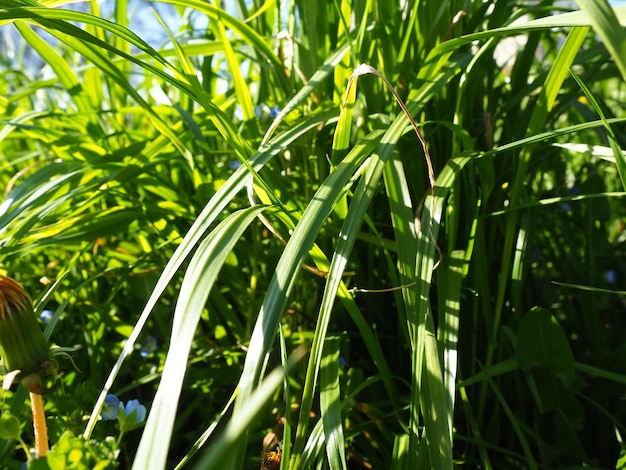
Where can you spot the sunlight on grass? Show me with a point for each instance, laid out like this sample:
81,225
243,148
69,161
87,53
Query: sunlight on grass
290,260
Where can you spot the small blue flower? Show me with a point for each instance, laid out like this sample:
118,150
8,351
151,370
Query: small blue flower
566,206
134,405
148,346
258,110
274,110
610,276
234,164
46,316
111,408
342,362
133,415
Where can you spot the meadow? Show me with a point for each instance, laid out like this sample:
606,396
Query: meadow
296,234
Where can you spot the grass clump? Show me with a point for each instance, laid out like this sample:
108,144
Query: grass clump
239,225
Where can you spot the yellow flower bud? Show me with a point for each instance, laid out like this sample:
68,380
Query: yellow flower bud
22,344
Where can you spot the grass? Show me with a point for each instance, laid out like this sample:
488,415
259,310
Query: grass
248,198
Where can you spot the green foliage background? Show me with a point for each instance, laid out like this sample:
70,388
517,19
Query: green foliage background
240,195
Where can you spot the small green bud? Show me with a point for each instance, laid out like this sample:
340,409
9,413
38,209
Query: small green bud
22,344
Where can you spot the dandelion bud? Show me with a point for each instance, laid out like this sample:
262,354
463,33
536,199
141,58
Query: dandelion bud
22,344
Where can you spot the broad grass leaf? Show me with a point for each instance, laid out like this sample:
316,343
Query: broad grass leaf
330,407
202,273
541,342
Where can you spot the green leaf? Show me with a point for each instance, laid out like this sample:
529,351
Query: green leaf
606,23
621,461
197,284
330,408
541,342
9,426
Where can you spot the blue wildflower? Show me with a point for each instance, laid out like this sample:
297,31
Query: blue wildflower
46,316
234,164
133,406
610,276
274,110
148,346
111,408
566,206
132,416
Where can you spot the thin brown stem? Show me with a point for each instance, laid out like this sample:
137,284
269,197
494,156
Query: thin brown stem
39,424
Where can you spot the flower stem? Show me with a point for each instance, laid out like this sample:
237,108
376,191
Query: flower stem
39,424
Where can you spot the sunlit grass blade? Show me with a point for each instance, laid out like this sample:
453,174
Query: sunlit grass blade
330,397
248,34
450,275
287,269
425,354
318,77
607,25
618,153
234,66
61,68
199,278
230,440
205,219
399,458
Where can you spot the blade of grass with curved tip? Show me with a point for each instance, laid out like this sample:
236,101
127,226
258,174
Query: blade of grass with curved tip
91,47
606,24
205,219
564,20
200,276
288,267
325,70
350,229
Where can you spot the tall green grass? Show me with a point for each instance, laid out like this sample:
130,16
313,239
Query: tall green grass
250,198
